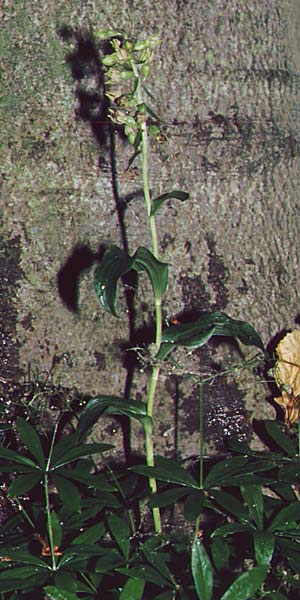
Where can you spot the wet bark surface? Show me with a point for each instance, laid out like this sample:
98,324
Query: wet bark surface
226,82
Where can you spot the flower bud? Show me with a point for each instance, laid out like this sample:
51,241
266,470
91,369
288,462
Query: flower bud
154,130
127,75
140,45
103,34
146,70
109,60
131,138
128,45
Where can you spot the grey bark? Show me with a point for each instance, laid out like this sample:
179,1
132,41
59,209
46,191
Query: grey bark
226,81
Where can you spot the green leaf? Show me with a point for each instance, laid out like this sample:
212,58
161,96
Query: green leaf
111,559
68,492
79,452
196,334
145,573
64,445
31,439
116,263
231,529
18,458
96,481
220,553
156,559
286,515
202,571
167,596
19,556
224,470
144,260
157,202
193,505
167,470
55,593
276,432
264,544
230,504
133,589
24,483
290,473
253,497
245,586
112,405
56,528
91,535
121,533
66,580
239,470
167,498
19,572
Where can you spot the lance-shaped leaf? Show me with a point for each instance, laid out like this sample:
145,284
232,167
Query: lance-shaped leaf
18,458
121,533
253,497
167,470
196,334
285,516
202,571
112,405
116,263
157,202
245,586
56,593
264,544
31,440
79,452
24,483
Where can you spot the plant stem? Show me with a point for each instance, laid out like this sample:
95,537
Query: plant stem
201,440
158,308
48,510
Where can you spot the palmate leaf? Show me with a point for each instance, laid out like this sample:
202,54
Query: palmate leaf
116,263
196,334
160,200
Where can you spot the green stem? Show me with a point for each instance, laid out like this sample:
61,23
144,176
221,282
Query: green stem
47,498
201,440
158,308
298,436
25,514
